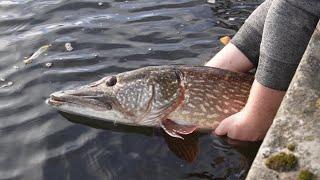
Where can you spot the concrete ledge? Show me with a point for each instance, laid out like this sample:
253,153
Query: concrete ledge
297,123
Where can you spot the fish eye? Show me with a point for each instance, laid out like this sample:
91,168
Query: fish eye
111,81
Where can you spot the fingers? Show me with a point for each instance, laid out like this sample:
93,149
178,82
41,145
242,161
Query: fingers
224,126
238,127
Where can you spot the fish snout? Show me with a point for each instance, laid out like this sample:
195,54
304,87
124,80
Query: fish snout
82,97
57,98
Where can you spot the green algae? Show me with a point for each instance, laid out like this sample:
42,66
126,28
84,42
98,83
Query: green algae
309,138
306,175
318,103
281,162
291,146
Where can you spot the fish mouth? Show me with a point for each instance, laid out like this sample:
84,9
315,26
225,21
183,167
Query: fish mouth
57,99
89,99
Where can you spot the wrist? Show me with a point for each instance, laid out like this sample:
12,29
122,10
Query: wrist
262,104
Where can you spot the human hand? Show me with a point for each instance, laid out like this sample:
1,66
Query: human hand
242,127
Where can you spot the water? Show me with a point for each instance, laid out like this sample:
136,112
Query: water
107,37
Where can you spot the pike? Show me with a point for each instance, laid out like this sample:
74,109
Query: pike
179,99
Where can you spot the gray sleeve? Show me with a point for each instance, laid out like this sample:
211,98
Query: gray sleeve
248,38
287,30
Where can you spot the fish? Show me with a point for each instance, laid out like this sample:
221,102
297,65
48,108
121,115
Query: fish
180,99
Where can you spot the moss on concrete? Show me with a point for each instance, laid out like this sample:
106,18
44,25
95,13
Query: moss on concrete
306,175
309,138
291,146
318,103
281,162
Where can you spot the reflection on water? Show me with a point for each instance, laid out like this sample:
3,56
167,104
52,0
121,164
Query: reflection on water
107,37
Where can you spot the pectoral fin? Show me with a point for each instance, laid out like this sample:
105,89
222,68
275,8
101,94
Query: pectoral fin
175,130
186,149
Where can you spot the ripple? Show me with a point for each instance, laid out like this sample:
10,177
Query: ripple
79,5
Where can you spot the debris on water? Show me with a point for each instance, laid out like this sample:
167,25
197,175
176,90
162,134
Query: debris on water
68,47
16,67
225,40
134,155
35,55
49,64
150,49
211,1
8,84
100,3
232,19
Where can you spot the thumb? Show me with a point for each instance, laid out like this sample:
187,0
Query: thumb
224,126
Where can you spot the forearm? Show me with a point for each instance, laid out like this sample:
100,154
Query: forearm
231,58
262,104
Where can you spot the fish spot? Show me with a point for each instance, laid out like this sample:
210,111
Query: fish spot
198,113
203,108
212,116
185,112
198,98
239,102
239,95
191,105
215,91
244,91
225,97
211,96
218,108
234,110
222,86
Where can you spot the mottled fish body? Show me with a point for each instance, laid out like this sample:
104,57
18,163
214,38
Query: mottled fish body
180,99
210,95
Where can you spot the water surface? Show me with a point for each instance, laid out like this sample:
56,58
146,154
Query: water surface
108,37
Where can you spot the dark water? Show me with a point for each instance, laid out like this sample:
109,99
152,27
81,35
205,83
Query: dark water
36,142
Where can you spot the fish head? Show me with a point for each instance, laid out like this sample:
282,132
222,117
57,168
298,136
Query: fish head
134,98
